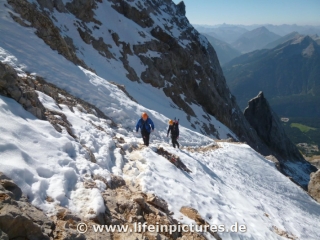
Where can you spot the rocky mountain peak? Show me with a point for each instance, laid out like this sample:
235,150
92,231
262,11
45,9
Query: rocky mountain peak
302,40
254,39
304,45
261,117
181,8
268,126
258,31
261,29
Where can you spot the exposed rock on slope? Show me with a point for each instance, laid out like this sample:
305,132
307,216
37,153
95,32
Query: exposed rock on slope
194,215
124,206
269,128
12,86
314,186
282,40
23,90
18,218
176,57
45,27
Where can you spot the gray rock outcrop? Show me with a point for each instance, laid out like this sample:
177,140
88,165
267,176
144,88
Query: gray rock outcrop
46,29
11,85
181,8
18,218
269,128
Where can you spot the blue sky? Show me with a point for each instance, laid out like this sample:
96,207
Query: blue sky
211,12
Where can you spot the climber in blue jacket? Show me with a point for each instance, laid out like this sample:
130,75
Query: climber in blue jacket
146,125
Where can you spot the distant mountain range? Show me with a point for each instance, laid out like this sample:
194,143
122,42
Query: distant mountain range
254,39
281,30
282,40
227,34
288,75
224,50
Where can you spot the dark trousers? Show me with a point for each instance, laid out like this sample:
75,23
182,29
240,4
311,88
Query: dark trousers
146,138
175,141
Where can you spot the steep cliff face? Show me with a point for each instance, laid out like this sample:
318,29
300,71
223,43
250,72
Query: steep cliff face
268,126
144,42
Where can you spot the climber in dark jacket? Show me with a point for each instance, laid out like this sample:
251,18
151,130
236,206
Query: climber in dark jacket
174,129
146,125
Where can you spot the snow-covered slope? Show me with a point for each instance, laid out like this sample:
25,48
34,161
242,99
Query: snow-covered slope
230,184
24,44
227,185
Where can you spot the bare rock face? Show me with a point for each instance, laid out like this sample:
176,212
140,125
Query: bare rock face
314,186
268,126
83,9
18,218
181,8
13,190
46,29
12,86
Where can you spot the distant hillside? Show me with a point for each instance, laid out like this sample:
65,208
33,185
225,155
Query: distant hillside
226,33
224,50
282,40
316,38
288,75
286,29
255,39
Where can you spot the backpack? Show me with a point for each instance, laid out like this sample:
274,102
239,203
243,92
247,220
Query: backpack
175,128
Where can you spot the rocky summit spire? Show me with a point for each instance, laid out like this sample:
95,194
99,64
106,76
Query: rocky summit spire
181,8
266,123
268,127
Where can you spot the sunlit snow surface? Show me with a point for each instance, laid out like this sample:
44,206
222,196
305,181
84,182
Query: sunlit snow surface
230,184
